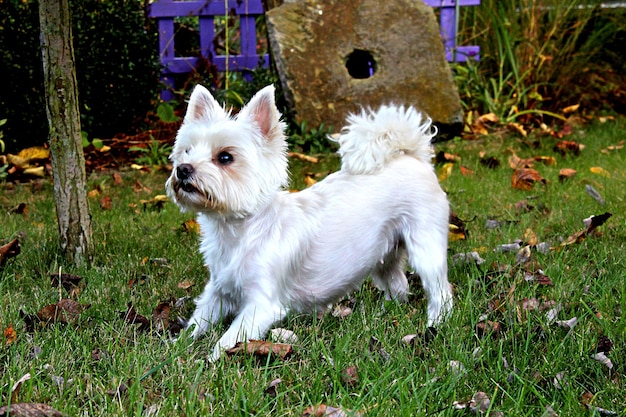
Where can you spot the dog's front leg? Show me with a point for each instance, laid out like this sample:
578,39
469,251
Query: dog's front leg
252,322
210,307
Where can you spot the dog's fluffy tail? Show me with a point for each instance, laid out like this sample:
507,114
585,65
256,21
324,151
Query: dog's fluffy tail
374,138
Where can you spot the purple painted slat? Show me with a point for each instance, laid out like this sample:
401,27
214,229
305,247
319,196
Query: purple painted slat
248,35
181,65
207,33
451,3
160,9
166,38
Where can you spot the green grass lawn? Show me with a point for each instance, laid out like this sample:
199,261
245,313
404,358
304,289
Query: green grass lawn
521,359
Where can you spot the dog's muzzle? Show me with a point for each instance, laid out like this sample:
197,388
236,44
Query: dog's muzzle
184,173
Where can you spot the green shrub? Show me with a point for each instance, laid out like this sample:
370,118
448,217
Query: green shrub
534,53
117,68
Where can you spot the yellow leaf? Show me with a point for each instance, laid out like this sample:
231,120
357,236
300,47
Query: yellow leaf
36,152
445,171
571,109
600,171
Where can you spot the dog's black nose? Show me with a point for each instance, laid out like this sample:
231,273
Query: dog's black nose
184,171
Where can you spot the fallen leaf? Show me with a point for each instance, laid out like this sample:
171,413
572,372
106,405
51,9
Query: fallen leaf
570,109
344,308
161,317
21,209
518,127
29,410
490,162
9,335
523,256
604,344
525,178
465,171
443,157
68,281
445,171
281,335
530,238
261,348
600,171
106,203
309,180
131,316
538,277
546,160
489,328
117,179
515,162
567,146
15,390
303,157
591,224
324,410
191,226
567,324
271,389
456,228
350,376
376,346
467,257
185,284
155,202
566,174
9,250
65,311
603,359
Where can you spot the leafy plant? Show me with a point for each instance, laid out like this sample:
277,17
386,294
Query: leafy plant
312,141
97,143
530,53
155,154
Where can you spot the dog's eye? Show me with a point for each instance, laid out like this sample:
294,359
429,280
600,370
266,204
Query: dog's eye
225,158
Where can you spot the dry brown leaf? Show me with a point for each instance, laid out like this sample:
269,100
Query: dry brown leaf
10,250
303,157
350,376
262,348
530,238
117,179
489,328
10,336
566,173
568,147
309,180
131,316
519,128
546,160
161,317
324,410
65,311
106,203
515,162
29,410
525,179
191,226
489,161
571,109
185,284
271,390
465,171
591,224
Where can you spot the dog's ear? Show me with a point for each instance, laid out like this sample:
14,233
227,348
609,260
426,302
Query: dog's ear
262,110
202,106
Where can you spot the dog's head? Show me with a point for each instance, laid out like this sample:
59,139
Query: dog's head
224,164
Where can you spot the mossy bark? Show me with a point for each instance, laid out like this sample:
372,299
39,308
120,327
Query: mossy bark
66,150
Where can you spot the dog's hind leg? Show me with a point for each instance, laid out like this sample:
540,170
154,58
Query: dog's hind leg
388,275
428,258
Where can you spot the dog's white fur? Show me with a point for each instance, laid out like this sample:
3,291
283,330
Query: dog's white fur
271,252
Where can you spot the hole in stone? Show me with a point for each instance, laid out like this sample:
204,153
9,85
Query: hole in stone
360,64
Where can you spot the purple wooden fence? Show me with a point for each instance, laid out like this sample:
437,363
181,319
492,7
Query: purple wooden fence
447,28
165,11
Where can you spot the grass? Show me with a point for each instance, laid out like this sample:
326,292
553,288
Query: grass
110,367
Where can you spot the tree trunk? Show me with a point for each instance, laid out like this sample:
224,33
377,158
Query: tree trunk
66,150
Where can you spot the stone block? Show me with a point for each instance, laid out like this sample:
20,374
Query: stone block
336,56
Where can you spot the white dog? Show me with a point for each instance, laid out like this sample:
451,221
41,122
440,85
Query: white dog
270,251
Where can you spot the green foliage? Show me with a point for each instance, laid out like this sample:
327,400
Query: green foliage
155,154
117,67
97,143
310,140
166,114
532,52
